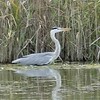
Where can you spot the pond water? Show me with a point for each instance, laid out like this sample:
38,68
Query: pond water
53,82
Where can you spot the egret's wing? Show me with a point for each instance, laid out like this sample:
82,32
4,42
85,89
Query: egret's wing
39,58
25,56
35,59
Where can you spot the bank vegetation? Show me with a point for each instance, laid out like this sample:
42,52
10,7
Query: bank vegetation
25,27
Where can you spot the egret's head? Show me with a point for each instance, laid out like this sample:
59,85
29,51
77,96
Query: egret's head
59,29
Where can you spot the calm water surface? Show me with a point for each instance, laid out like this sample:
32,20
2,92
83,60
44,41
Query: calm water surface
59,82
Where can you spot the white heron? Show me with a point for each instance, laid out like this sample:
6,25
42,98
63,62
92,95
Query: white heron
45,57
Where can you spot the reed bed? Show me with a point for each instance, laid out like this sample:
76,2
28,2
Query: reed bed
25,26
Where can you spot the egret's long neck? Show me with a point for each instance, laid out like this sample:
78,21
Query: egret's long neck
57,44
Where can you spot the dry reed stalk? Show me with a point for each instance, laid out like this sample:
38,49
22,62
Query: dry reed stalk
20,31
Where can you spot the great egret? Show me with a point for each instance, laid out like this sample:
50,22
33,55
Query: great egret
45,57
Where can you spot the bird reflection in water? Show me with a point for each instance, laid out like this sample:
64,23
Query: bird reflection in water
48,73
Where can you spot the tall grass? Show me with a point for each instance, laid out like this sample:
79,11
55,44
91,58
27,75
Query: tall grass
25,26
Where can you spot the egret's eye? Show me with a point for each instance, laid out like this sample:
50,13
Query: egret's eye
54,28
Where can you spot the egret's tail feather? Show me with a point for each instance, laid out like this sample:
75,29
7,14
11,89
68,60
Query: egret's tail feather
16,61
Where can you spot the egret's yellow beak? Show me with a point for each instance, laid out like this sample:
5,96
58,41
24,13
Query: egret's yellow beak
66,29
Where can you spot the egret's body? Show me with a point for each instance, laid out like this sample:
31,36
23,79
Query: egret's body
46,57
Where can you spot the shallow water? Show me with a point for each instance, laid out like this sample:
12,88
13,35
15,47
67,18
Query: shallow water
58,82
